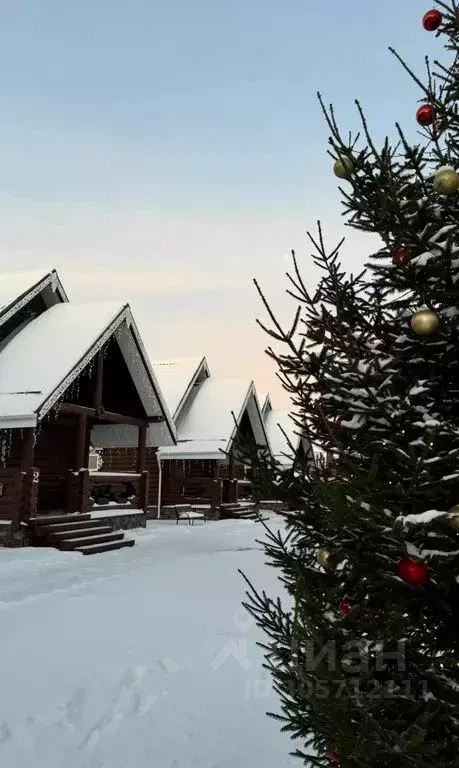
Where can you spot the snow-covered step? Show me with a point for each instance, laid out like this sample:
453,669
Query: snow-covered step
53,519
89,540
238,510
76,532
93,549
74,525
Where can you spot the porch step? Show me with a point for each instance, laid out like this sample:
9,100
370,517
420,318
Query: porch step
77,533
245,515
238,511
68,527
80,542
53,519
74,533
93,549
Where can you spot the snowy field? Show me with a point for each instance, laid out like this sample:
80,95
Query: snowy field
141,658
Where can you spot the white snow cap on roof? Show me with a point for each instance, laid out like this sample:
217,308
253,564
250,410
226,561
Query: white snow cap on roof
206,424
177,377
43,359
15,285
275,422
265,402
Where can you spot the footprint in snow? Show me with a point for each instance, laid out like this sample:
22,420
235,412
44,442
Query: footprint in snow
74,709
127,702
169,665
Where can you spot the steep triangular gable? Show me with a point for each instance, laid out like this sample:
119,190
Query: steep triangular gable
208,425
44,358
178,379
24,296
281,429
265,403
17,289
251,407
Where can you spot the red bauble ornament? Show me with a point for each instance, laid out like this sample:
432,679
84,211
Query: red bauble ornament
338,420
412,572
333,756
345,608
425,114
400,257
432,20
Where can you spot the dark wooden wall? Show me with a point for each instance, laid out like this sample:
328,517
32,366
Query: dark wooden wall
174,472
55,454
125,460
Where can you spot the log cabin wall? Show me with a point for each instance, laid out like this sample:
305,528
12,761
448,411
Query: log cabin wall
125,460
55,454
9,475
173,476
238,471
174,471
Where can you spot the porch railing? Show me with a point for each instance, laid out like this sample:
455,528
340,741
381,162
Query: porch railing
86,489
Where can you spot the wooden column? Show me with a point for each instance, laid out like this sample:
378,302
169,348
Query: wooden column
83,491
82,437
216,497
144,487
97,395
141,449
231,466
28,449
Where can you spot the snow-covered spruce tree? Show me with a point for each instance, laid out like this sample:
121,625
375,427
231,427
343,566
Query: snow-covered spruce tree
364,648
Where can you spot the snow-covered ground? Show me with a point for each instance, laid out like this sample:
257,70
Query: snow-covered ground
137,658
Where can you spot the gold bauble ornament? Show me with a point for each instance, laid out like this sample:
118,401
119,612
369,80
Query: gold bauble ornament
446,182
343,167
454,520
325,558
425,322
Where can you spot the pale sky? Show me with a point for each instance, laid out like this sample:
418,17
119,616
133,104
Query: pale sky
167,153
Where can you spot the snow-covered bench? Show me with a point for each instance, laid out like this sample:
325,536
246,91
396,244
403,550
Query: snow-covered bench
185,512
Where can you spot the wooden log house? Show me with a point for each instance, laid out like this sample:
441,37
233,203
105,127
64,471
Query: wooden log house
64,370
212,433
204,467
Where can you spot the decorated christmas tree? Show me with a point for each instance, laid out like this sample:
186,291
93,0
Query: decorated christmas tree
363,647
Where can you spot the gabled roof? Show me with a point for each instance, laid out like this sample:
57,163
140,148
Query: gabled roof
42,360
18,288
265,403
177,379
206,425
277,423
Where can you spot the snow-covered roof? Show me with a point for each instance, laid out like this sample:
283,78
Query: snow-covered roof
18,288
177,379
265,403
275,422
42,360
206,425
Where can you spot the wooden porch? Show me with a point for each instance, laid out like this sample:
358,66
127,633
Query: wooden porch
46,470
195,481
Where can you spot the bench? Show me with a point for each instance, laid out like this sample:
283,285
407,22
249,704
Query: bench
185,512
